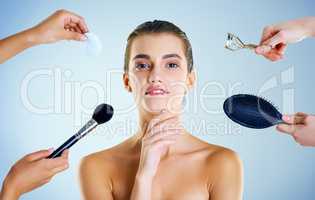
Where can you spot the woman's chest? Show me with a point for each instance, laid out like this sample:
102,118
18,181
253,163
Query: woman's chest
173,180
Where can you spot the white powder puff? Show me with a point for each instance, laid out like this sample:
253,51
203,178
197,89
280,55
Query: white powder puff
93,44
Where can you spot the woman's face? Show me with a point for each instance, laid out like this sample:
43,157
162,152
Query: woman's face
158,76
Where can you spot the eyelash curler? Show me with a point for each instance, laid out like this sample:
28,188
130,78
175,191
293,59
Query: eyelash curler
234,43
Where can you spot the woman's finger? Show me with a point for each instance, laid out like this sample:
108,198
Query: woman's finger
55,162
289,129
166,124
60,169
268,32
273,56
163,142
172,133
39,155
79,21
75,26
72,35
298,118
163,117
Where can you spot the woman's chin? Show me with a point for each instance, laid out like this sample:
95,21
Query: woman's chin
156,106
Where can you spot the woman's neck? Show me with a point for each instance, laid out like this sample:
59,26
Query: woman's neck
145,119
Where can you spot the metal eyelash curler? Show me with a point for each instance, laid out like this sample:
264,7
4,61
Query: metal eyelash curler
234,43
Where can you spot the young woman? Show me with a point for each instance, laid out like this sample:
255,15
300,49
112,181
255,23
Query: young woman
161,160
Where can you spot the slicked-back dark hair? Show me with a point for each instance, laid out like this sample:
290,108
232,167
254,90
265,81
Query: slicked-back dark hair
158,26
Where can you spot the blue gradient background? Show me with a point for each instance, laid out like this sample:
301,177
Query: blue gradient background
275,166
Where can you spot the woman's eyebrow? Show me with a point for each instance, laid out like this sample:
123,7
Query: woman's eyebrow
145,56
171,56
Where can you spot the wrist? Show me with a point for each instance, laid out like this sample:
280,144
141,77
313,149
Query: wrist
8,191
310,26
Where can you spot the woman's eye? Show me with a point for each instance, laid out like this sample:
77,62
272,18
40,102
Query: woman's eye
172,65
142,66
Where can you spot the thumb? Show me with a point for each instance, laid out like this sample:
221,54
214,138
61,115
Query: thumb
39,154
71,35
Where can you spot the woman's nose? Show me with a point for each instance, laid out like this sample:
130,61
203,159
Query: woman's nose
155,76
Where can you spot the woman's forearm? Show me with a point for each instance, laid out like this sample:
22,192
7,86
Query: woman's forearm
311,25
142,188
14,44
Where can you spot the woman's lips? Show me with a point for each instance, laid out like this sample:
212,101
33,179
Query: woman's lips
156,92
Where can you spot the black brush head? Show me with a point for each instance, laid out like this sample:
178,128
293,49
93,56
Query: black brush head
251,111
103,113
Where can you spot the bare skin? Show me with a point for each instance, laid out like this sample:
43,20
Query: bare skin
61,25
196,171
275,38
31,172
162,160
34,170
274,41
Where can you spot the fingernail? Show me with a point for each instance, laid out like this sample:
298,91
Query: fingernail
83,38
286,118
51,149
258,50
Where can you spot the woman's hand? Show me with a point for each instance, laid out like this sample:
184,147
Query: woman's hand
62,25
276,37
301,127
32,171
161,132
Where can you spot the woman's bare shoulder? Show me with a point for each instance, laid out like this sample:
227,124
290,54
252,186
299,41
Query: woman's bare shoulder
218,154
105,159
223,159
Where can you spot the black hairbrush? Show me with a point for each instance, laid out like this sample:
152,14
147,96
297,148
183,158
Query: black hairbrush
252,111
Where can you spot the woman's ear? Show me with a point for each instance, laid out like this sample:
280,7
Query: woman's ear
191,79
126,82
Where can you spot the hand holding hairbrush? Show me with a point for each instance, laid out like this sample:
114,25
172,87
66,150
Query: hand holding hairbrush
252,111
